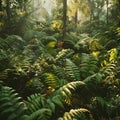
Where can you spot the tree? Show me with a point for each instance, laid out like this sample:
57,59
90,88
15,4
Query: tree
107,3
64,19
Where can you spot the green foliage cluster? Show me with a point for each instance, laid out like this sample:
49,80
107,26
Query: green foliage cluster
78,79
84,80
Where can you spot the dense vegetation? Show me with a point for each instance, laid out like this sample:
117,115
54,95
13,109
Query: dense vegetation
60,68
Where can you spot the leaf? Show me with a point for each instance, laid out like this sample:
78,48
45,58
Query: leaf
72,70
51,105
57,100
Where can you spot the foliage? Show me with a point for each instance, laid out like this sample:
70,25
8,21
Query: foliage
11,106
82,114
77,77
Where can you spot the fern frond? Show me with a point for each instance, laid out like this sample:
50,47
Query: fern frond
100,106
67,89
88,65
11,106
35,102
38,107
29,34
59,71
14,41
77,114
108,68
41,114
72,70
64,53
64,93
3,44
3,74
51,80
95,78
47,39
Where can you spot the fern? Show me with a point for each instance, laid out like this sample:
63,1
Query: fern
100,107
14,42
50,80
35,102
29,34
11,106
108,68
77,114
47,39
3,75
41,114
71,39
3,44
88,65
59,71
72,70
4,60
64,93
72,86
64,53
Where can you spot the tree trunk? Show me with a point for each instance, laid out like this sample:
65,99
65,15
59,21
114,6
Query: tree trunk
8,9
76,14
64,18
76,18
0,5
119,12
107,2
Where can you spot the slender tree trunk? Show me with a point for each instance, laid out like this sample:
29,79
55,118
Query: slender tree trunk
76,18
76,14
0,5
119,12
64,18
8,9
107,2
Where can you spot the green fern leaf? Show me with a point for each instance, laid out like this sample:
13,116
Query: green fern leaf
11,108
63,54
51,105
51,80
41,114
35,102
57,100
72,70
88,65
77,114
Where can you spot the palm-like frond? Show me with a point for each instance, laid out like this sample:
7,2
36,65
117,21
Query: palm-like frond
88,65
14,42
11,106
35,102
100,107
61,74
77,114
3,74
72,70
64,93
4,60
108,68
59,71
50,80
63,54
41,114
